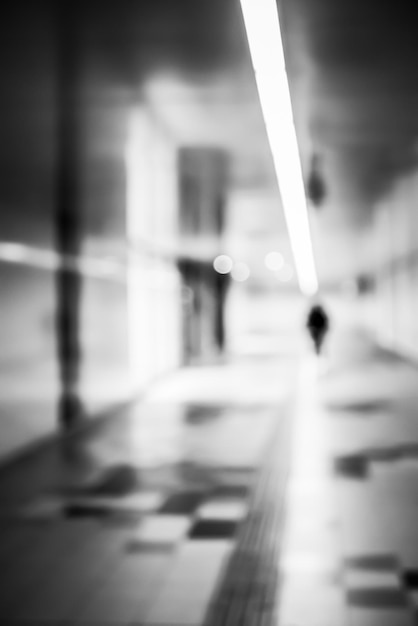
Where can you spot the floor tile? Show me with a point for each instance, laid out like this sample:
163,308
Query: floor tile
413,597
213,529
161,529
127,593
150,547
50,573
380,617
88,509
310,603
143,502
186,593
135,504
361,578
351,466
410,579
183,503
43,508
223,509
305,563
376,597
232,491
375,562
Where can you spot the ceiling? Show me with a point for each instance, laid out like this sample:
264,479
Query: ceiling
352,67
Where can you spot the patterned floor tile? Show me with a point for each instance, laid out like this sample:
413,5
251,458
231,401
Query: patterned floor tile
149,547
189,586
359,579
117,480
161,529
322,603
196,414
376,597
375,562
54,570
380,617
351,466
213,529
303,564
144,502
182,503
413,597
114,508
43,508
232,491
88,509
410,579
125,594
223,509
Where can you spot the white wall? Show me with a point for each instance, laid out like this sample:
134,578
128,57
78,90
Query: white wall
396,262
124,345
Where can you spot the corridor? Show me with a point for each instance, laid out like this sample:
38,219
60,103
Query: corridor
272,489
208,329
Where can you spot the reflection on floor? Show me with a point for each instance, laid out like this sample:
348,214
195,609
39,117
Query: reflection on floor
350,540
136,523
278,491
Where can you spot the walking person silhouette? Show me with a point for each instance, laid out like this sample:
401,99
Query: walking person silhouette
318,325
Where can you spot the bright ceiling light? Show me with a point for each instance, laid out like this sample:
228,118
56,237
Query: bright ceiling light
264,39
240,272
223,264
273,261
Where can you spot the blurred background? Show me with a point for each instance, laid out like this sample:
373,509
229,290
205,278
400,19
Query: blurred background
141,224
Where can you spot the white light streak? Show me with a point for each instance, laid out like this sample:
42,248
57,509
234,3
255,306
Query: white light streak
266,48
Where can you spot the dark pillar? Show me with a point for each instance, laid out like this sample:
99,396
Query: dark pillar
203,175
67,214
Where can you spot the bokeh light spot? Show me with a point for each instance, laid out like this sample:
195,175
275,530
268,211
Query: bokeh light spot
274,261
223,264
240,272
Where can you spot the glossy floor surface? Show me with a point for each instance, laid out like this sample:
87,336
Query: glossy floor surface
264,490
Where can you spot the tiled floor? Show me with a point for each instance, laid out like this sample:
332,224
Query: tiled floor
132,537
298,513
94,557
350,552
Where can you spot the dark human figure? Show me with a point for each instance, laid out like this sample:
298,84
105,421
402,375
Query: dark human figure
317,324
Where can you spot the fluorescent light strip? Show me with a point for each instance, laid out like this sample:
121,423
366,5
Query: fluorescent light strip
264,39
51,260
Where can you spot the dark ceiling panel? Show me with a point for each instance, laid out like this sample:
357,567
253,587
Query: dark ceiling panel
359,63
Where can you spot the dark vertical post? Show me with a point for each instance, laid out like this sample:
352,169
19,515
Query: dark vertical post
67,214
202,187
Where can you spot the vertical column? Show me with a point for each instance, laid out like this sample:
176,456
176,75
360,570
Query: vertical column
203,176
67,215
